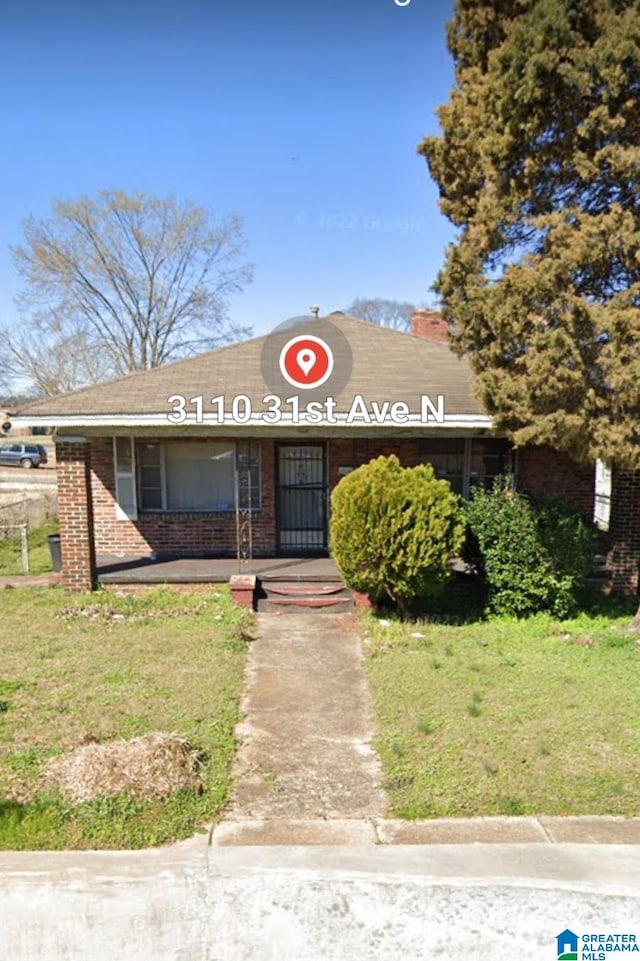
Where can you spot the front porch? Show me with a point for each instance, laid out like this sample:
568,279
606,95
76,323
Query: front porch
111,535
275,584
113,570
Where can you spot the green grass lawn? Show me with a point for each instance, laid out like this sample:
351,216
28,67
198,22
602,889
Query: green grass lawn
507,717
39,553
169,662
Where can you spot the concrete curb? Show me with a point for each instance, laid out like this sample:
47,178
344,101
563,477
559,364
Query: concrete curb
482,830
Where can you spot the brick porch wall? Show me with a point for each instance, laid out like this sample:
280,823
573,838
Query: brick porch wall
354,453
623,559
75,510
183,533
542,470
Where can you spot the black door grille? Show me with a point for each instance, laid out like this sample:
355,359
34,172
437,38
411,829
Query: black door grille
302,500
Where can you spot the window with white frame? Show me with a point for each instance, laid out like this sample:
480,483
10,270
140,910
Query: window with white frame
197,476
124,461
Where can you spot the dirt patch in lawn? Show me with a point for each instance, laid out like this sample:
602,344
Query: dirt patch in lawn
148,767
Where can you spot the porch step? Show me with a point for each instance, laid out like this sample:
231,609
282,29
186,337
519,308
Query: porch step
302,588
291,596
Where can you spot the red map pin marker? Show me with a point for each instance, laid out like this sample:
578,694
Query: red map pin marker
306,361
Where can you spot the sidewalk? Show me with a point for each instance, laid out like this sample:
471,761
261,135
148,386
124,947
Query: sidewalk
191,902
305,756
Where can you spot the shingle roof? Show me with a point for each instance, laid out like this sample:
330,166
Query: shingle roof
387,365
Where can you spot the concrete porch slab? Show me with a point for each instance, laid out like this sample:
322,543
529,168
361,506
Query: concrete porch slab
211,570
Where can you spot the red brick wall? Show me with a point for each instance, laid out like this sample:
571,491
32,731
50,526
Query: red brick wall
75,516
183,533
624,532
541,470
196,534
353,453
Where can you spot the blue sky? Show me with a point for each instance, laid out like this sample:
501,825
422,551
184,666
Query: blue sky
303,117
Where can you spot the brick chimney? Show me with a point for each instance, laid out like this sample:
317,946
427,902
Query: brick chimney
430,325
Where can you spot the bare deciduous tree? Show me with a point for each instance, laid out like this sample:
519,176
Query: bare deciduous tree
51,358
385,313
123,282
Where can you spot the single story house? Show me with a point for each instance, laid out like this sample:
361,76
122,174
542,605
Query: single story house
238,449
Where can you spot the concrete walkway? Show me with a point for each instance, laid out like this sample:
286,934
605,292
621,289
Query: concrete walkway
305,756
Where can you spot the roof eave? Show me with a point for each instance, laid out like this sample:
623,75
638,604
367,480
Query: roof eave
287,422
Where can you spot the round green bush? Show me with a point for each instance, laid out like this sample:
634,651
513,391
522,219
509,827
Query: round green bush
394,531
533,554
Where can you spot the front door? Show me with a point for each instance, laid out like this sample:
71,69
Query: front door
302,499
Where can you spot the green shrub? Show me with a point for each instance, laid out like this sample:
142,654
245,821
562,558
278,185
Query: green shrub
534,555
394,531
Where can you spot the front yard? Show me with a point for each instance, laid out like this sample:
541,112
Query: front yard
507,717
103,667
480,718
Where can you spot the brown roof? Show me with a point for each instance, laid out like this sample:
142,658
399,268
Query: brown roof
386,365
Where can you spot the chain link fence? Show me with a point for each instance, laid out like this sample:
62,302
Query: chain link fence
21,513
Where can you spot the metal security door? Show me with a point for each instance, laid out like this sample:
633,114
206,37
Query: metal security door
302,498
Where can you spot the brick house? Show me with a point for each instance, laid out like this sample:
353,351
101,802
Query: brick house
169,461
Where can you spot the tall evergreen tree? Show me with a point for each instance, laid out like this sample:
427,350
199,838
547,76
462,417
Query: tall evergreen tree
538,165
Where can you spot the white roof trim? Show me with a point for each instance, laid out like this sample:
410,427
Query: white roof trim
450,422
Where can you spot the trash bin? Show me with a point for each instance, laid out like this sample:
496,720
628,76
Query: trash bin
54,547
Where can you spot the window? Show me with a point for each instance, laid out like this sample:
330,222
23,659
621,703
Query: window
446,455
150,476
123,456
468,462
490,457
185,476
